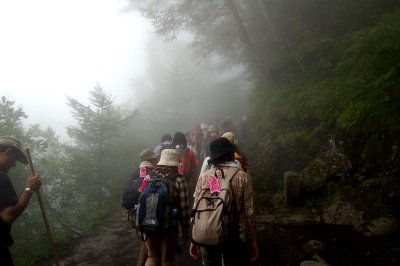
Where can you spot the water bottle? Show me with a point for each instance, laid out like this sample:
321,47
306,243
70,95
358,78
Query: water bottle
174,218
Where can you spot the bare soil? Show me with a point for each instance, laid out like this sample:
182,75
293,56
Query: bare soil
112,242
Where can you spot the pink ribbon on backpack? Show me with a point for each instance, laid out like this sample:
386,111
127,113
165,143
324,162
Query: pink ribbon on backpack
144,183
214,185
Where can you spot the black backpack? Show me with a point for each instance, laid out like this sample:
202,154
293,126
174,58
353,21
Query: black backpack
130,194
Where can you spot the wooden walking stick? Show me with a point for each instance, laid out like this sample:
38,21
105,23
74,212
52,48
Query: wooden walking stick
46,222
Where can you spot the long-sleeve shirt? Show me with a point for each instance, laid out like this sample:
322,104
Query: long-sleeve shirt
181,193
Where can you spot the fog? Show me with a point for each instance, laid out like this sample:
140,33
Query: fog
54,49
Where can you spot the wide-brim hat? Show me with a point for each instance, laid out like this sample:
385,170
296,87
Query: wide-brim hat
219,147
230,136
16,144
169,157
147,154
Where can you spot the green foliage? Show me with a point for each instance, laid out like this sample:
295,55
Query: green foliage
349,91
10,118
93,157
81,181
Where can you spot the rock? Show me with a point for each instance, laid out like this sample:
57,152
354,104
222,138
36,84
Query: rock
313,246
343,213
316,261
380,227
312,263
391,257
330,165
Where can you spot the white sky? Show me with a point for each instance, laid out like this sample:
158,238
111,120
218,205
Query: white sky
53,48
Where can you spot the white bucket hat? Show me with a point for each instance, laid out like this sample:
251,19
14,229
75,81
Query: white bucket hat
169,157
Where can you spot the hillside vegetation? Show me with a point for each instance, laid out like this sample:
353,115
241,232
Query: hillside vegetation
323,78
345,94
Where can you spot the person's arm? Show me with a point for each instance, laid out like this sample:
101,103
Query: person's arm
248,199
183,197
204,165
10,214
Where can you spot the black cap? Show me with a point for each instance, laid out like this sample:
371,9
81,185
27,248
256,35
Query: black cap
219,147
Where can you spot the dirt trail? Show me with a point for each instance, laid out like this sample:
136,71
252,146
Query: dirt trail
112,243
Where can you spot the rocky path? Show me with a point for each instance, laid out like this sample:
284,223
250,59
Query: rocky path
111,243
283,240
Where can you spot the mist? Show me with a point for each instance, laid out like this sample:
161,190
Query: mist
311,85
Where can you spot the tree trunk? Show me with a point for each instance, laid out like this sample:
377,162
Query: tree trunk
261,66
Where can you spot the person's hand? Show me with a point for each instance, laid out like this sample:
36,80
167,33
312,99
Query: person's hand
33,182
253,250
194,251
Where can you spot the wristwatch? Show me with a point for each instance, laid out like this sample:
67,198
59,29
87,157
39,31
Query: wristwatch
30,190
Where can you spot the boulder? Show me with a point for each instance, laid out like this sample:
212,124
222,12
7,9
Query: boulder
313,246
380,227
343,213
328,166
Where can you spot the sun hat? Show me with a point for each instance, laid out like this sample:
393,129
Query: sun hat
203,126
16,144
147,154
231,137
166,137
219,147
169,157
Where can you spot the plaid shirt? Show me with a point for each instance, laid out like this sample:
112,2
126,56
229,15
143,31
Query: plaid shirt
243,194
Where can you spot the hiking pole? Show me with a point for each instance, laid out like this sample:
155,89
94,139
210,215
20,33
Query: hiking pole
46,222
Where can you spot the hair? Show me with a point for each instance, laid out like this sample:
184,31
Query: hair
166,137
166,169
227,157
180,139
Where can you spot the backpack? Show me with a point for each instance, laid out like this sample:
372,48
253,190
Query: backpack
130,193
185,166
157,209
214,215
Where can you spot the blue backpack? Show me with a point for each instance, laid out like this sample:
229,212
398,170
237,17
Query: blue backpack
157,208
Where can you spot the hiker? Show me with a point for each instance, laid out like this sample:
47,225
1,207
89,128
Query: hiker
197,139
188,161
190,144
163,246
233,250
166,140
238,155
12,206
148,162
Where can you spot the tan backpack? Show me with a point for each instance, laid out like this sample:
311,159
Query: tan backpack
214,212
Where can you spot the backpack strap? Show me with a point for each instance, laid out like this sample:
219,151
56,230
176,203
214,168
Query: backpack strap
231,173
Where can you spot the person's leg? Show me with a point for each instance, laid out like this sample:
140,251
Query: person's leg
235,253
142,254
153,245
211,256
5,257
169,246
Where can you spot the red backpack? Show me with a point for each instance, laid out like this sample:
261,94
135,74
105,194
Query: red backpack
185,168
